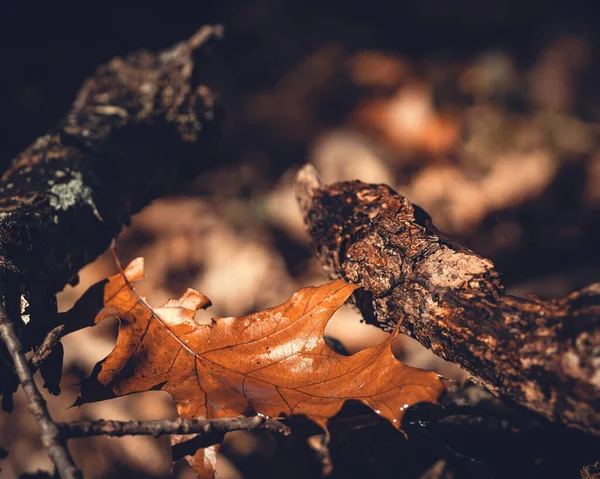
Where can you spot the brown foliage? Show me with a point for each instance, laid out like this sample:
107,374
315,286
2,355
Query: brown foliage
274,362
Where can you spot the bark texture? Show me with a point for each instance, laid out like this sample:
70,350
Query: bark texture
544,355
130,136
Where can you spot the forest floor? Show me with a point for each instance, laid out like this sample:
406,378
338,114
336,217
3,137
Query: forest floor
499,141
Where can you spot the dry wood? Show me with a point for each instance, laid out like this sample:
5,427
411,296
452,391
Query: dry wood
50,433
45,350
131,135
544,355
160,427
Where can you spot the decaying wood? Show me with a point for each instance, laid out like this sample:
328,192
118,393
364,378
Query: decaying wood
544,355
130,136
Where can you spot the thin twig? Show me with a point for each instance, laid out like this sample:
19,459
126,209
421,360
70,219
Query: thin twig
170,426
51,436
46,347
204,35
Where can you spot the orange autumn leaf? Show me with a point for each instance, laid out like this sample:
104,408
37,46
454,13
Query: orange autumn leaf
274,362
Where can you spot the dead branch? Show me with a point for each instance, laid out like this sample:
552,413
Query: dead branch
544,355
131,135
50,433
206,427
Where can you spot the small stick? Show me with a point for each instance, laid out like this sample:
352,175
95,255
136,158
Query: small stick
161,427
50,433
46,347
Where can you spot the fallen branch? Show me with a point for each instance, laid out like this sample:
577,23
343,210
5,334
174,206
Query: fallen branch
131,135
544,355
50,433
207,427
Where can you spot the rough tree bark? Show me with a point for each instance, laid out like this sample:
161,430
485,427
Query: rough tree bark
130,136
544,355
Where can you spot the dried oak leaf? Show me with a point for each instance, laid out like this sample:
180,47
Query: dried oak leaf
274,362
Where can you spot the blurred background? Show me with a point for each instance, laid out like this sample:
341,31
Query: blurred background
486,114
